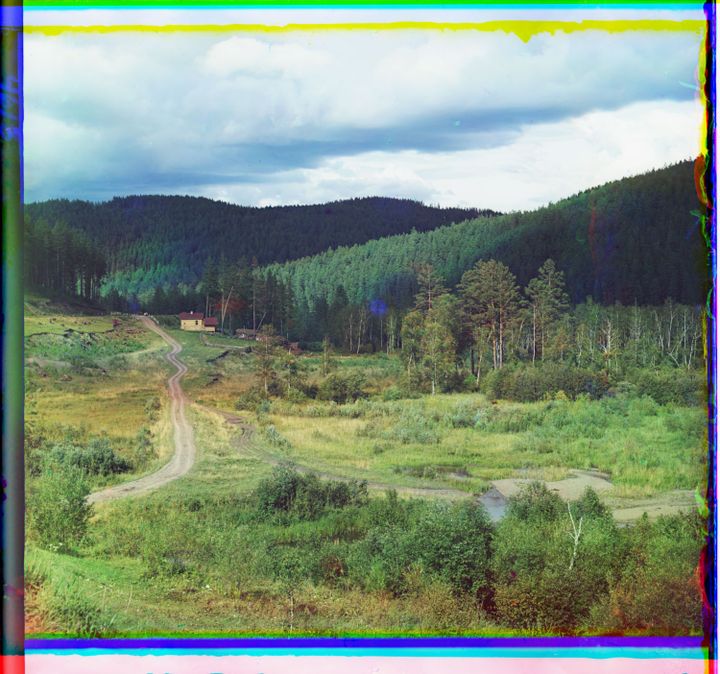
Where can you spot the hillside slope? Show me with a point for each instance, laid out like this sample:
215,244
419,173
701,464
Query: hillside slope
633,240
150,241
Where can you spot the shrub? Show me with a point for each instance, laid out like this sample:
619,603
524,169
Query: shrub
535,502
143,451
413,427
306,496
545,579
656,590
342,387
96,458
453,542
526,383
250,400
275,438
667,386
57,510
464,415
392,393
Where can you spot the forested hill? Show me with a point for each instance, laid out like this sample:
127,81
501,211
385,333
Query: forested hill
151,241
633,240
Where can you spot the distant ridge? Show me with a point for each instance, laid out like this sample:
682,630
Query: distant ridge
166,240
637,239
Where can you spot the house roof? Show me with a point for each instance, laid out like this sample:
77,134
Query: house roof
190,316
210,322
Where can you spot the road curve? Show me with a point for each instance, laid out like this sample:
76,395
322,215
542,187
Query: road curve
184,455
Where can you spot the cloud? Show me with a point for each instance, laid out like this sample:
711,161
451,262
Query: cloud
545,162
266,118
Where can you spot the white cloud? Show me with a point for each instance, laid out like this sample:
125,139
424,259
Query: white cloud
545,163
299,117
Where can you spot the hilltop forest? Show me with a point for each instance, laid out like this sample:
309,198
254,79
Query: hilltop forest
634,242
165,241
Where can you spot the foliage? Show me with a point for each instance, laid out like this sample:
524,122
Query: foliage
94,458
306,496
57,512
596,238
342,387
526,384
154,241
671,386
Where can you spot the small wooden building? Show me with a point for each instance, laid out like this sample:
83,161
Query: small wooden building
196,322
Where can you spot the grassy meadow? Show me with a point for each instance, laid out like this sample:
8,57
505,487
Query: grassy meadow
246,544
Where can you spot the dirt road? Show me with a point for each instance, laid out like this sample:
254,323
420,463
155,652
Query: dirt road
184,455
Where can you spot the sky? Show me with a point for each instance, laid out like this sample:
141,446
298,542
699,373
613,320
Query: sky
454,118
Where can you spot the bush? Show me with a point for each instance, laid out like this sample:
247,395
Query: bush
535,502
465,415
392,393
57,510
656,590
413,427
96,458
544,582
681,387
526,383
305,496
415,543
275,438
143,451
453,542
342,387
251,400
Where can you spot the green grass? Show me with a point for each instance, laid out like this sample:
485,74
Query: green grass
58,324
193,557
644,448
97,383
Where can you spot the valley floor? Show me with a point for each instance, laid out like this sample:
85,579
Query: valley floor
186,554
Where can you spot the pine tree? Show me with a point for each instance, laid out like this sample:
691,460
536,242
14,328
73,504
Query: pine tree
491,302
547,299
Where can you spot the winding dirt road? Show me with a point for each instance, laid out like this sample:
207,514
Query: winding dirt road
184,455
495,500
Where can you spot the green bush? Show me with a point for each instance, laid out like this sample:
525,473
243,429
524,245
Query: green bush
275,438
413,427
305,496
465,415
251,399
342,387
57,511
95,458
667,386
546,580
454,542
143,451
657,589
526,383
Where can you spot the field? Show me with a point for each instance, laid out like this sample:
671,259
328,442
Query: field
86,378
203,554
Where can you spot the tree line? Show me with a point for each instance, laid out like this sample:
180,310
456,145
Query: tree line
636,240
60,259
164,241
